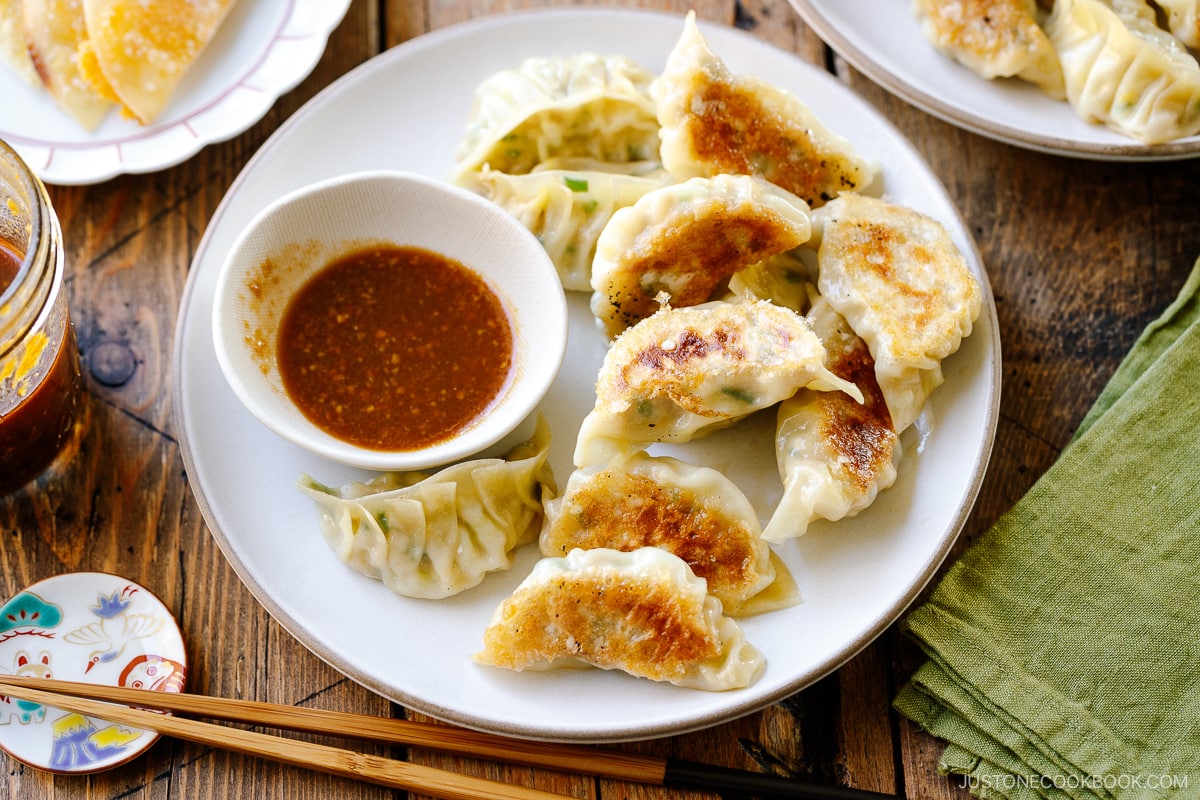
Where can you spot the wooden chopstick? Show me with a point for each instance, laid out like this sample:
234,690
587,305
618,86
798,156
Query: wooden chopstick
323,758
667,772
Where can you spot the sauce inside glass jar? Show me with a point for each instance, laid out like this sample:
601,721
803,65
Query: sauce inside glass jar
42,399
394,348
10,265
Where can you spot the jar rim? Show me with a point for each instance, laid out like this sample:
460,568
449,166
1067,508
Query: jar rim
34,194
27,299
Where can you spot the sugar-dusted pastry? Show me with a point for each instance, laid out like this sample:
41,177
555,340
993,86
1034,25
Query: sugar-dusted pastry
582,105
642,612
714,121
834,454
14,49
684,372
435,534
1124,71
566,209
695,512
903,286
142,50
1183,20
54,31
993,38
680,243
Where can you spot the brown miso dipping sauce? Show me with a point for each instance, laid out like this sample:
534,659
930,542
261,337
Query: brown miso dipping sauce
394,348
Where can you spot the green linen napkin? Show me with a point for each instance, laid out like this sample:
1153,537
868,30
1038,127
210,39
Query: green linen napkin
1064,646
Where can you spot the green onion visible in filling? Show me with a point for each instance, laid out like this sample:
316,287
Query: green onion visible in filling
740,395
576,184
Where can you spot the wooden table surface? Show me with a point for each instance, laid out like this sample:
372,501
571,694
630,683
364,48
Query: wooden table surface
1081,255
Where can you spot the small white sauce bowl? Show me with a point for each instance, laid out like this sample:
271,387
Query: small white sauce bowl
302,232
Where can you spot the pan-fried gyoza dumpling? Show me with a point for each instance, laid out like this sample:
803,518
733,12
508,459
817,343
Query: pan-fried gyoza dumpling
642,612
680,243
695,512
565,209
903,286
993,38
685,372
584,105
1122,70
432,535
54,31
142,50
834,454
1183,20
715,122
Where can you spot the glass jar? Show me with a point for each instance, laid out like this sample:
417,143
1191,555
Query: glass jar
39,359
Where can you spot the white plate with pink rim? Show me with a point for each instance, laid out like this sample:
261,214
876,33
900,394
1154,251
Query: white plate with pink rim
884,41
93,627
261,51
856,576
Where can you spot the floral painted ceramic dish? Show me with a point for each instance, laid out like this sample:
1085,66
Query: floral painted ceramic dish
84,626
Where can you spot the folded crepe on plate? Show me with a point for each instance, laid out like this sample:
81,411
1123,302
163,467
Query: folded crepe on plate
53,31
137,53
13,48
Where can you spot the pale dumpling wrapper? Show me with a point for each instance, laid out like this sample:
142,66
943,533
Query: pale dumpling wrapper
680,243
695,512
783,279
436,534
582,105
1122,70
566,209
1183,20
642,612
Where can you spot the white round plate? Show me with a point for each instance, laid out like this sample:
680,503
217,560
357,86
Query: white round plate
92,627
261,51
856,577
884,42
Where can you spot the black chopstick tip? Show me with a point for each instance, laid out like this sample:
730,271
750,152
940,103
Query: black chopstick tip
739,783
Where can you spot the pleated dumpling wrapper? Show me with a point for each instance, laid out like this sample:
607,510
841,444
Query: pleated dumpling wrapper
1124,71
138,52
577,106
642,612
436,534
